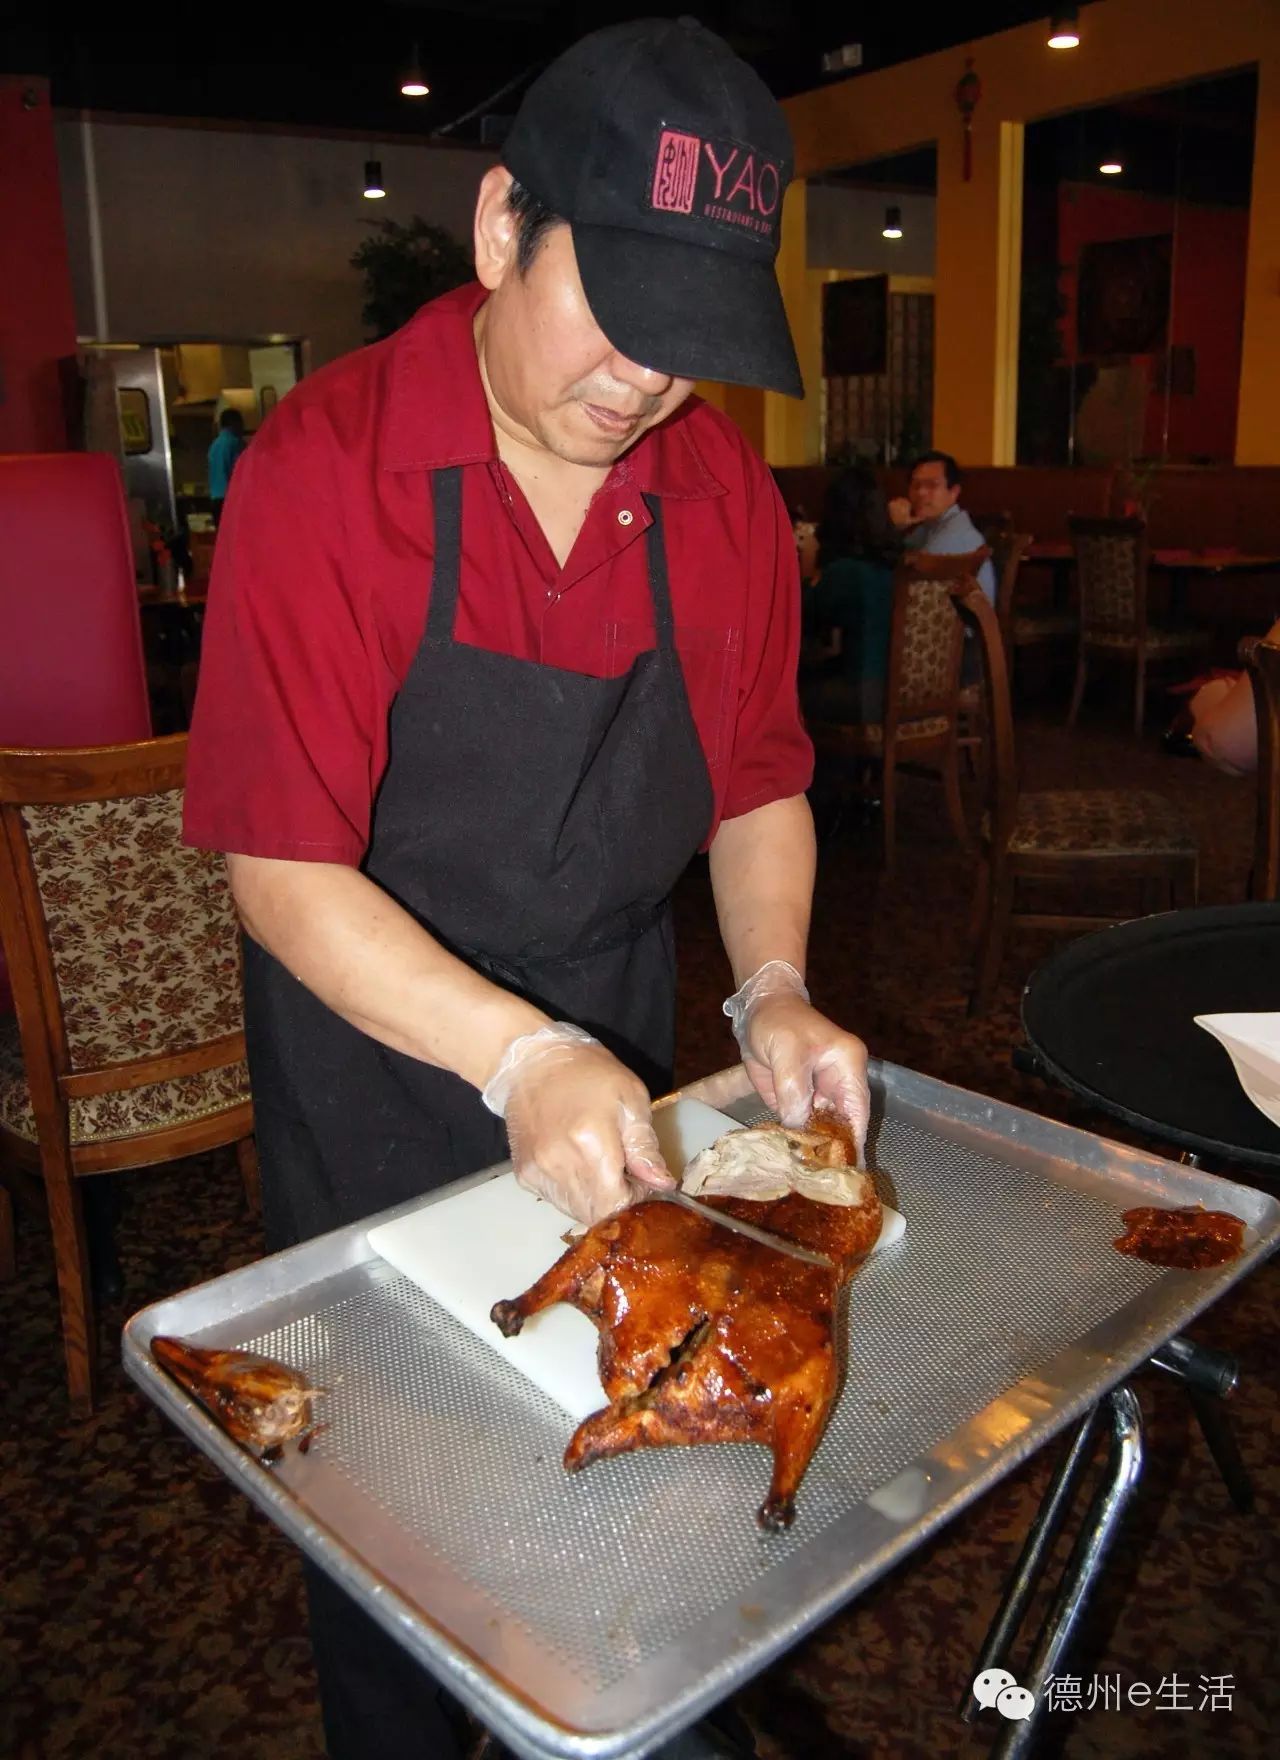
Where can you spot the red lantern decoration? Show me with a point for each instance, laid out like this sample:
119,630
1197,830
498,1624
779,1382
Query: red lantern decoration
968,91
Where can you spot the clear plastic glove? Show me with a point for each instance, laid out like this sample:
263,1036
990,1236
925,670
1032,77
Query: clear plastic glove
796,1057
578,1122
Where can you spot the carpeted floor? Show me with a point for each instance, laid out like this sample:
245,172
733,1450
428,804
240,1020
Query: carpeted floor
147,1612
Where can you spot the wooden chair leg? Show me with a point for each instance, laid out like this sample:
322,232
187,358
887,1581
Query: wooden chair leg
888,827
8,1252
955,800
1184,883
1077,693
988,972
247,1159
75,1285
979,909
1140,695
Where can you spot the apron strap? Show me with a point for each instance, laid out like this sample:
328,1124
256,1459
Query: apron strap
446,501
659,582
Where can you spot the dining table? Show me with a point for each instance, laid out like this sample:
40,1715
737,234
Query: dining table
1181,564
172,628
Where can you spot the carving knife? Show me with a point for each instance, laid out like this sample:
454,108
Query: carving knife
760,1235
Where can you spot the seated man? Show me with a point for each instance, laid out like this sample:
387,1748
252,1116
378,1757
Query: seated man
931,518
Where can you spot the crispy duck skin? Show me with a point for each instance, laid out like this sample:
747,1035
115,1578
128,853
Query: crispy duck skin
259,1402
706,1335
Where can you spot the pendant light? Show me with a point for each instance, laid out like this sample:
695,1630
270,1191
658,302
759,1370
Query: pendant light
374,188
413,85
1111,168
1064,28
892,223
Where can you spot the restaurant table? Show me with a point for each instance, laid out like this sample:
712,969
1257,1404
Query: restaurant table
1180,565
1112,1017
172,628
1184,565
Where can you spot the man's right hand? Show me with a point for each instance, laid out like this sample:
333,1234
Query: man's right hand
900,513
578,1123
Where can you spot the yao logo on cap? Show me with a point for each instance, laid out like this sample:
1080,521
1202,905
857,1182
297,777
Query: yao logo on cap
716,180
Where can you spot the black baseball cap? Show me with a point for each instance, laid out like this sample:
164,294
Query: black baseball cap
668,156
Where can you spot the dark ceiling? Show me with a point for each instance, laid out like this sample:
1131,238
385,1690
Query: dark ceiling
342,71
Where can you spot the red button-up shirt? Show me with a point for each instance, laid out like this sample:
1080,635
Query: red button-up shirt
323,569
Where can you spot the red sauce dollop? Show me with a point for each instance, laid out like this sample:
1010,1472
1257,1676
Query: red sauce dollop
1189,1240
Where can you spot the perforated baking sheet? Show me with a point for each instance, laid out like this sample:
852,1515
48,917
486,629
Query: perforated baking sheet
593,1615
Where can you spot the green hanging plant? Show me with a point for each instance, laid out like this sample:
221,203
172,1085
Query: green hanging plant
404,267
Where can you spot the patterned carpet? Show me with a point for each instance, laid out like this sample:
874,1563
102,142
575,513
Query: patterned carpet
147,1612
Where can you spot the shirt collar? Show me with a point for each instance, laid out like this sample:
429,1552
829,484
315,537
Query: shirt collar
437,414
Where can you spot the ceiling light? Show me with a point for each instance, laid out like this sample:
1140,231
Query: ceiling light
413,85
892,223
1111,168
374,188
1064,28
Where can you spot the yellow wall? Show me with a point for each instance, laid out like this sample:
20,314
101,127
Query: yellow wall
1126,46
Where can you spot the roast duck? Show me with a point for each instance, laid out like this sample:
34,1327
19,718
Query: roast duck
707,1335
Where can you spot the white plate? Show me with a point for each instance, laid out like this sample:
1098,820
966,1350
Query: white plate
1252,1042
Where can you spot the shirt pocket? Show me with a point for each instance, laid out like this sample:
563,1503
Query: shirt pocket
709,659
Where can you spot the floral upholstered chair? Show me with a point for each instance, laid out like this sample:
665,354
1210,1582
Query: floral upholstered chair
920,724
1111,568
1073,836
124,951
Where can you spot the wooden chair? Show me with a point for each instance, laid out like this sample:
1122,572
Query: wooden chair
1023,629
920,725
1111,568
125,957
1264,673
1007,551
1073,836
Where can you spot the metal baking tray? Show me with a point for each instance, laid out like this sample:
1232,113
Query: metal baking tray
592,1616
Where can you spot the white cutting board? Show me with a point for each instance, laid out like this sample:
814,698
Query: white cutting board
490,1243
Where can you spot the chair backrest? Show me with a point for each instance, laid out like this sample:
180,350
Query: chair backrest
925,640
1111,567
71,667
1264,672
993,525
1007,552
123,944
975,610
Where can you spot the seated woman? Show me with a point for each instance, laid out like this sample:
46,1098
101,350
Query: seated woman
851,596
1224,726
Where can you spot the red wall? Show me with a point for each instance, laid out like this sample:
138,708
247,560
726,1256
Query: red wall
37,317
1207,305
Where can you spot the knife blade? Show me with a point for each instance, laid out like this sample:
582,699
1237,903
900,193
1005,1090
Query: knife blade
760,1235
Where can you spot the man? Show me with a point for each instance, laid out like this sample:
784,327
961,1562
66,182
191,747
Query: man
227,446
505,629
931,518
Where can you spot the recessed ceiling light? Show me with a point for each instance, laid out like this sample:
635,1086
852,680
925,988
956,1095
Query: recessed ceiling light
1111,168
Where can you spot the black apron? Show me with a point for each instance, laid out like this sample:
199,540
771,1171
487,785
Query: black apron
535,821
